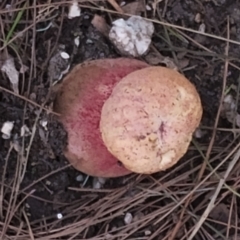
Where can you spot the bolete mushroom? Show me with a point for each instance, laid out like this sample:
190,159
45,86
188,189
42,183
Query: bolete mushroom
148,120
125,111
79,102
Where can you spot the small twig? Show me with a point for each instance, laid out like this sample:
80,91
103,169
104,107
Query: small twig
115,6
28,224
16,21
219,109
3,180
211,204
28,100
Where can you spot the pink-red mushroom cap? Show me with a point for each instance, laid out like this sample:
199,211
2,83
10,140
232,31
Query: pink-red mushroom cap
79,102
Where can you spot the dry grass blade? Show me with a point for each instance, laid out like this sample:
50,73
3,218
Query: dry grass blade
210,206
43,197
214,197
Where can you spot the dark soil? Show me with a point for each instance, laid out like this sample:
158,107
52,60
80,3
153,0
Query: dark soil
48,173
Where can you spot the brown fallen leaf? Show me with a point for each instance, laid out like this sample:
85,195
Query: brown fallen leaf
134,8
182,63
115,6
155,58
101,25
221,213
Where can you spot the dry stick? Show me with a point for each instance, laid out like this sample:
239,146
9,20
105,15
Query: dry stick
124,14
18,206
211,204
79,226
16,229
28,100
20,171
199,208
22,168
148,220
12,200
183,210
236,218
31,75
55,45
19,34
230,216
19,229
28,225
115,6
180,222
218,113
3,178
199,184
22,97
39,198
205,48
170,25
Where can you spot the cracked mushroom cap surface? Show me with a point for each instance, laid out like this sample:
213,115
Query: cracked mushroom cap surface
149,119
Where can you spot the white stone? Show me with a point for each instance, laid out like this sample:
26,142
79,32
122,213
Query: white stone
128,218
64,55
133,36
7,129
74,10
59,216
77,41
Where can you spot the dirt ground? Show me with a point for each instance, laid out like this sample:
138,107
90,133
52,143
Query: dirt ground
43,197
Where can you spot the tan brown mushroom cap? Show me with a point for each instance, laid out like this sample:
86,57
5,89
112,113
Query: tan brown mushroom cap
148,120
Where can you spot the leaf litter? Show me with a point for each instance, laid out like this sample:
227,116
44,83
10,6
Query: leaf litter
9,68
59,206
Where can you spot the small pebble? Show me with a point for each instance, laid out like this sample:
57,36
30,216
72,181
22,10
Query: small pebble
228,99
48,183
122,4
64,55
16,145
79,178
132,36
66,70
59,216
77,41
98,182
102,180
109,236
198,18
24,132
44,124
148,8
147,232
128,218
86,17
89,41
7,129
74,10
202,28
27,205
198,133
